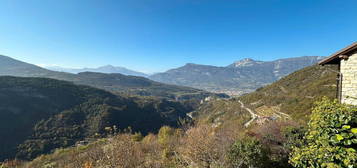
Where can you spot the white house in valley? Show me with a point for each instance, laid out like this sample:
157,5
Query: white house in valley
347,63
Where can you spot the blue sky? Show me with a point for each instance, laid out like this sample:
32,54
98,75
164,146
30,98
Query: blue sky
155,35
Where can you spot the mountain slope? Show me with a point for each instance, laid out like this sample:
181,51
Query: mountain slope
102,69
295,93
12,67
290,98
112,82
240,77
38,115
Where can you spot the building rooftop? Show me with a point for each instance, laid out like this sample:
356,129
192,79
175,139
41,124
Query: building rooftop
335,58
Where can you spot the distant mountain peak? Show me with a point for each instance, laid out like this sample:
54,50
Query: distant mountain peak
245,62
247,59
107,66
110,69
190,64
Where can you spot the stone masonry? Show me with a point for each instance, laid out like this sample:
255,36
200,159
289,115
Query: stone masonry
349,80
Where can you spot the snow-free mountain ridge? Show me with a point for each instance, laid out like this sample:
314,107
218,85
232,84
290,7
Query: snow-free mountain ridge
237,78
102,69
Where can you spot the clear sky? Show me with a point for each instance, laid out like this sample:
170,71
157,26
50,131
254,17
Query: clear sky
155,35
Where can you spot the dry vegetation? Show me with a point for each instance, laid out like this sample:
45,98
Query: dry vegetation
199,146
217,139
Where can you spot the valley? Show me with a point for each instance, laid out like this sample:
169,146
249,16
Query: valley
217,123
47,114
56,109
109,115
178,84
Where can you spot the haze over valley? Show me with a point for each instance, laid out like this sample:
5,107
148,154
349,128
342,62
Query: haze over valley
102,69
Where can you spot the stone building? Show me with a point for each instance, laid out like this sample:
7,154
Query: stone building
347,63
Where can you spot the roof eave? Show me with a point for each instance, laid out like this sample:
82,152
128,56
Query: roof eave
332,59
329,60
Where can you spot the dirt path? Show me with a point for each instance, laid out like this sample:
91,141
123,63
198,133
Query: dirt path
281,114
284,114
253,115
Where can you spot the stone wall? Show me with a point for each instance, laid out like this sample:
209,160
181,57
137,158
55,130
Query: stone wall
349,81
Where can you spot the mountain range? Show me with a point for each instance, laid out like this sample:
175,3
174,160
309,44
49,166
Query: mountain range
114,82
102,69
240,77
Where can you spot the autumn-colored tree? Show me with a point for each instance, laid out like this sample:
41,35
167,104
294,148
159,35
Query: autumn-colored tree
201,147
88,165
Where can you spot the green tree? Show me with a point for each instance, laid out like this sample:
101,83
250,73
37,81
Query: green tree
294,137
331,138
165,134
248,152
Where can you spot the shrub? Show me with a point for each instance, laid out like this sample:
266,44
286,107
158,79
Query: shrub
331,138
203,147
137,137
248,152
164,135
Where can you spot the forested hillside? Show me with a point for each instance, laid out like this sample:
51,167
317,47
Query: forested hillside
38,115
